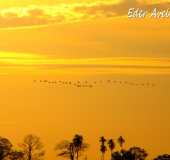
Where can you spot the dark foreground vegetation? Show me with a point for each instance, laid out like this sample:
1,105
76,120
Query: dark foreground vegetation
32,149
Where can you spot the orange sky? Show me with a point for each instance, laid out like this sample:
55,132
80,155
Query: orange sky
93,40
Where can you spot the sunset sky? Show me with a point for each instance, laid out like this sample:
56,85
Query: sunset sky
84,40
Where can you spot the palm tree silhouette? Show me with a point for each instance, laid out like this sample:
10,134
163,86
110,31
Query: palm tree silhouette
73,149
77,141
111,145
103,148
121,141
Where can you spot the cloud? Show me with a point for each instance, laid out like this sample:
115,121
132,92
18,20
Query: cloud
69,13
34,59
17,17
101,65
112,10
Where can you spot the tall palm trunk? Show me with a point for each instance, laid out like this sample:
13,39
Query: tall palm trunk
111,151
71,157
30,154
102,156
77,155
71,152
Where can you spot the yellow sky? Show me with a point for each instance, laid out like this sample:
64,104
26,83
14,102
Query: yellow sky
84,40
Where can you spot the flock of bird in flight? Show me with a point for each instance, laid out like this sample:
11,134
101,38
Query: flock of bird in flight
91,84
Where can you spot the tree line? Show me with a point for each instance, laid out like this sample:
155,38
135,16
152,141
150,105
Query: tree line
33,149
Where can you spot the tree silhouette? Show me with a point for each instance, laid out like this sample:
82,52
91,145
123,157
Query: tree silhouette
123,155
66,149
121,141
16,155
78,142
103,147
116,156
163,157
134,153
72,149
33,148
111,145
5,147
139,153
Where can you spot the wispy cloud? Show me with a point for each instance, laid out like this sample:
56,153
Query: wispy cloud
100,65
69,12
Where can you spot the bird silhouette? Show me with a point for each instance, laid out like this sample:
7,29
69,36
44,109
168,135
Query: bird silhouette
88,84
